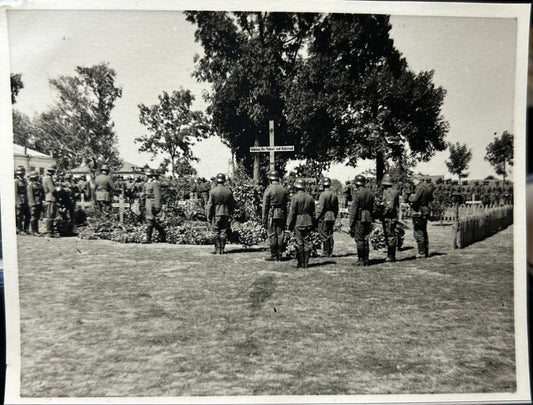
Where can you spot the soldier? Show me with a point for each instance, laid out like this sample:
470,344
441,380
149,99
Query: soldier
274,214
104,190
391,206
23,215
151,195
361,217
35,201
50,201
485,194
219,209
326,215
301,221
508,193
347,193
420,212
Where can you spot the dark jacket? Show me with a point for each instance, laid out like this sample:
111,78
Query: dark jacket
221,202
302,210
363,206
420,200
275,201
328,206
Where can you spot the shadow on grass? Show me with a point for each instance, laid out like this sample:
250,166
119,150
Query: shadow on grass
246,250
345,254
318,264
414,258
404,248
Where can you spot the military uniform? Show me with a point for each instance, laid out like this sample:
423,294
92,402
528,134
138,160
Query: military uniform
50,203
151,194
391,206
23,215
420,212
326,215
274,215
219,209
301,221
361,217
104,191
35,201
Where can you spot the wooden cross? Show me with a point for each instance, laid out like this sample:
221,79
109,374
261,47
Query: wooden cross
121,204
84,204
272,149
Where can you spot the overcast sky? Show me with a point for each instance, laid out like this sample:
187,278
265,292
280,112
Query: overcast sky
473,59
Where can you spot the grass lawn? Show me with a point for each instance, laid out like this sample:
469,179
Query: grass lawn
100,318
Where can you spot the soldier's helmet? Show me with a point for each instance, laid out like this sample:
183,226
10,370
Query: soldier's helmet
348,182
360,180
52,168
273,175
20,170
387,180
299,184
150,172
326,182
104,168
34,175
221,178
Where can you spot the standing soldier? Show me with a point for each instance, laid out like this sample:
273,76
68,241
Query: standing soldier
219,209
360,221
485,194
104,189
328,209
301,221
420,212
35,201
347,193
50,201
391,205
151,194
274,214
21,195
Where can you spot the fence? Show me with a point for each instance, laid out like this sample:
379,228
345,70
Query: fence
474,228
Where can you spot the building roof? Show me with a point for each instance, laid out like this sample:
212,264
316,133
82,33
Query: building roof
20,150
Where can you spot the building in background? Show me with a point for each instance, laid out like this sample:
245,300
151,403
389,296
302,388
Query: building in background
32,160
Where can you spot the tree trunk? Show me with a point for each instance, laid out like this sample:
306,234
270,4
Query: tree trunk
380,167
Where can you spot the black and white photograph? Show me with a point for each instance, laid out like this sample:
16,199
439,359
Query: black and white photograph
251,202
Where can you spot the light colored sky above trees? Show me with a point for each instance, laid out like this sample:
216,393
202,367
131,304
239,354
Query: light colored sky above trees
473,59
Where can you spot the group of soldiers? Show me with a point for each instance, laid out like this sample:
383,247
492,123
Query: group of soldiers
281,210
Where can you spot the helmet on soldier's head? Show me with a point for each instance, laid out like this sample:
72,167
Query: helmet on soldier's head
360,180
149,172
273,175
221,178
387,180
20,170
326,182
52,168
33,175
299,184
104,168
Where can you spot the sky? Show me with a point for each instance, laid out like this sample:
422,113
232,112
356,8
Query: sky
153,51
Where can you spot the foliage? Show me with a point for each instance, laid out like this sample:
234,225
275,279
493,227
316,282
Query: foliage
377,237
23,129
16,86
248,196
500,153
313,238
354,97
249,58
460,156
248,233
79,127
173,128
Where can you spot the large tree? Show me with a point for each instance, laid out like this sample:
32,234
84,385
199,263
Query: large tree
173,128
249,59
78,127
460,157
354,97
500,153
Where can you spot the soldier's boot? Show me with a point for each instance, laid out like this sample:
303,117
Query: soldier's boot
391,254
149,232
360,257
35,228
162,233
217,246
299,258
367,254
421,251
49,228
306,256
222,246
273,255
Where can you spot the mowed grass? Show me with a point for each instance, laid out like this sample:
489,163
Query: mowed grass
100,318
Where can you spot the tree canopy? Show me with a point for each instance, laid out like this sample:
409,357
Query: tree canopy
460,157
500,153
78,127
335,85
173,128
16,86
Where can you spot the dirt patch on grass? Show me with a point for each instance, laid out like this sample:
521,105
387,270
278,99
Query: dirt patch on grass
100,318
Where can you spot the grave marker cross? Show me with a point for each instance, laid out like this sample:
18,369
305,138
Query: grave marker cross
272,148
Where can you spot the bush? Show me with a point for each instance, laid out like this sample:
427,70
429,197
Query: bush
377,238
248,233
